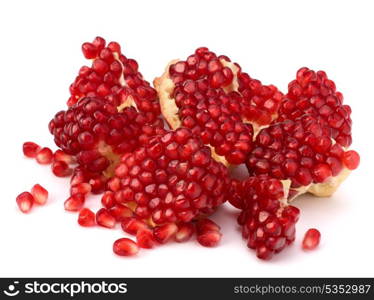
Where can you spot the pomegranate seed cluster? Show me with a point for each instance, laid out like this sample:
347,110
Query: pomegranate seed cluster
96,132
268,223
115,78
217,101
160,185
314,94
172,178
301,150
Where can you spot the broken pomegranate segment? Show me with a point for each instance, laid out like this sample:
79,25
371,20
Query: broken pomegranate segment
40,194
125,247
212,96
25,202
172,178
314,94
115,78
267,221
311,239
303,151
97,133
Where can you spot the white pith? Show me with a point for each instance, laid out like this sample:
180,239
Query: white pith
164,86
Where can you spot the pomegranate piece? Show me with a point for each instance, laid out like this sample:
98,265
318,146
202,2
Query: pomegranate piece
115,78
165,233
74,203
314,94
61,169
86,218
97,133
213,97
268,223
172,178
40,194
132,225
144,239
25,202
30,149
209,238
44,156
105,219
303,151
60,155
311,239
185,232
125,247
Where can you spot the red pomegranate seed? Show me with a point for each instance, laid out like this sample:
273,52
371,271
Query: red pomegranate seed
209,238
264,252
206,225
132,225
321,172
60,155
86,218
61,169
351,159
107,199
81,188
164,233
105,219
74,203
30,149
40,194
185,232
89,50
125,247
25,201
311,239
44,156
144,239
120,212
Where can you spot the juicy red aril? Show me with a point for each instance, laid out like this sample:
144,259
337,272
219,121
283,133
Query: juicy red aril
209,238
351,159
25,201
120,212
74,203
86,218
164,233
60,155
132,225
61,169
107,200
206,225
80,188
105,219
125,247
185,232
44,156
144,239
30,149
311,239
40,194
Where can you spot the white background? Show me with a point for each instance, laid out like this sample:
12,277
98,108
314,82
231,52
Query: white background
40,56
